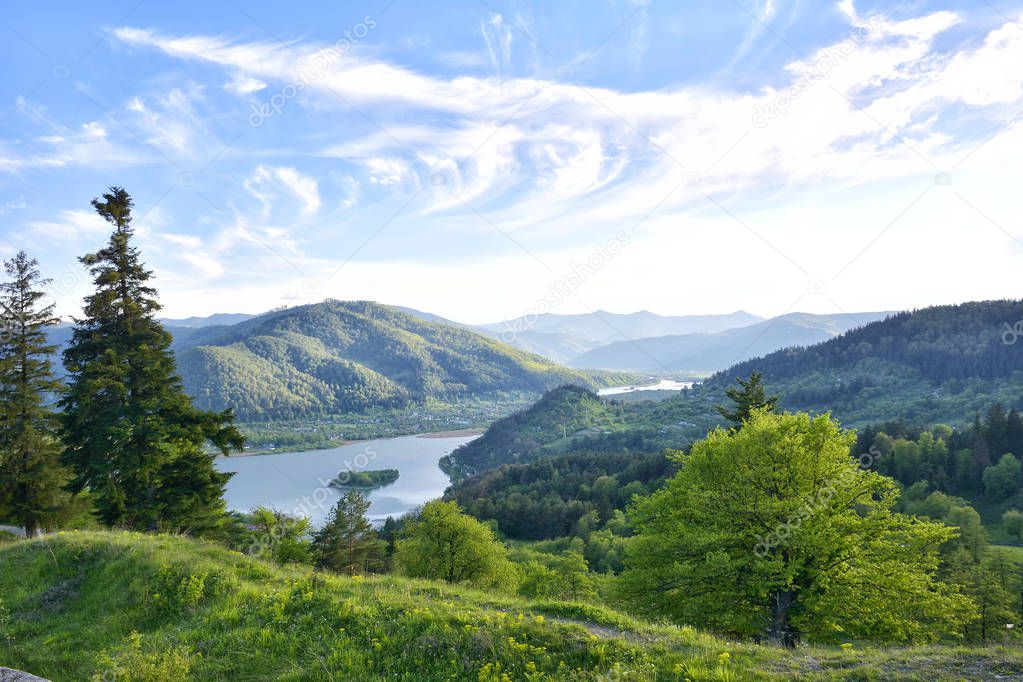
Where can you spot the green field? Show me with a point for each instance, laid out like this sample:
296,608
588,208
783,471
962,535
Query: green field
126,606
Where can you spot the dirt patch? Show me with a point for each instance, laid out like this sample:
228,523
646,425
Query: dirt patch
55,599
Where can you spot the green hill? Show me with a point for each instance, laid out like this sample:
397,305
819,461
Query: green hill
131,607
335,357
939,364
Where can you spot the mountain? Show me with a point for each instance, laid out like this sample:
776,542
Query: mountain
936,365
218,319
704,353
349,356
563,337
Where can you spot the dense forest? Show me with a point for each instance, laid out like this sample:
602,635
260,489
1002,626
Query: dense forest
561,496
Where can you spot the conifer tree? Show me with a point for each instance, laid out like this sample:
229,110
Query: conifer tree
133,436
32,478
347,542
748,396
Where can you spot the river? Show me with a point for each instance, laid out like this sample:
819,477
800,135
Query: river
297,482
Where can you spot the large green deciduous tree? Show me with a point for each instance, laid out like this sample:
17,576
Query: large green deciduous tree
774,532
347,542
133,436
442,543
32,478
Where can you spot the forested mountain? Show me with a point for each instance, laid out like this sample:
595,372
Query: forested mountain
700,353
563,337
937,365
348,356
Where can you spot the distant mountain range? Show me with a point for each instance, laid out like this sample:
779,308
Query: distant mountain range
563,338
709,352
218,319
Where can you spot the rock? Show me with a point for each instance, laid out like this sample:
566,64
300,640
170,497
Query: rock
8,675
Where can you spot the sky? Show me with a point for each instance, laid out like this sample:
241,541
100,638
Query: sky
484,160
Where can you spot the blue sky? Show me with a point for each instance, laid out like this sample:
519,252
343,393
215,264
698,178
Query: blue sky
485,160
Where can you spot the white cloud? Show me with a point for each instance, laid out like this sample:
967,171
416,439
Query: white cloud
243,85
561,148
267,181
70,226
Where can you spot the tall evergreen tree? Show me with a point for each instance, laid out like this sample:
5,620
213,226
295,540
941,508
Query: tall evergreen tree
133,436
748,396
1014,433
996,430
981,454
347,542
32,478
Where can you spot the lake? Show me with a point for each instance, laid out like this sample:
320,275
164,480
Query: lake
297,482
662,385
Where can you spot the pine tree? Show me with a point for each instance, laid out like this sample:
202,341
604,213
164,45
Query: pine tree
134,438
347,542
995,430
748,396
1014,433
32,478
981,455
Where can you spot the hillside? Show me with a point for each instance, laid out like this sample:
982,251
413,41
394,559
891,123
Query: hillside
704,353
936,365
939,364
126,606
562,338
574,419
350,356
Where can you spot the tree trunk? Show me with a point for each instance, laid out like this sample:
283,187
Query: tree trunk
782,633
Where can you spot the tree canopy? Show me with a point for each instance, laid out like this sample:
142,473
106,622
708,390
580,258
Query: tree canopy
773,531
442,543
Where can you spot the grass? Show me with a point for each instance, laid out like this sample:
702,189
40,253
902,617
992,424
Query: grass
126,606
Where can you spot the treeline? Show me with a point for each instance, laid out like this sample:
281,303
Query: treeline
982,461
127,446
561,496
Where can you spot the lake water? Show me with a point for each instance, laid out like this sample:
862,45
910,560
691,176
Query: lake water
297,482
662,385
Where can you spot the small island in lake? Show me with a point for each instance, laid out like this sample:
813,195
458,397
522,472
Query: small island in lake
365,479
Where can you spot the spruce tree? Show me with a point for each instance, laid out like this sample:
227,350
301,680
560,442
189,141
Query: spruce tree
1014,433
133,436
347,542
748,396
32,478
